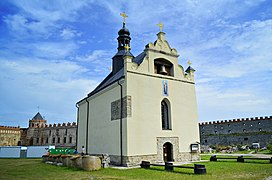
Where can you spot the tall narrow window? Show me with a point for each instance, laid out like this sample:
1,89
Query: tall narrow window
165,116
70,140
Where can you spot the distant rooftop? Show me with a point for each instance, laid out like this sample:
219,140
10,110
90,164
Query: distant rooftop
38,116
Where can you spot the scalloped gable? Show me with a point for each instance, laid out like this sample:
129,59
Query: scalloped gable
162,45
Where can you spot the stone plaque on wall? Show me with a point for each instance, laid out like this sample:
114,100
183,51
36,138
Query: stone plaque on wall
116,110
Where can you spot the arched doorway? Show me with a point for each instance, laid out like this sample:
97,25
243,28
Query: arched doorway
167,152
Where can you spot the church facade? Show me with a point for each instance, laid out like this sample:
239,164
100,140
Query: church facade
145,109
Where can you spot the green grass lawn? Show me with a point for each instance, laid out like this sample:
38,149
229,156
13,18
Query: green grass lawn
35,169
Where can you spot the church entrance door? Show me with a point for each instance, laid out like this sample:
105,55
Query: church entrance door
167,152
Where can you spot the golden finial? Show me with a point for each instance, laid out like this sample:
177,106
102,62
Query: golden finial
123,14
189,62
127,47
160,25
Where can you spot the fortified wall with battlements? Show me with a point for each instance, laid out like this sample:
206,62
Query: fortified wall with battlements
39,133
9,135
244,131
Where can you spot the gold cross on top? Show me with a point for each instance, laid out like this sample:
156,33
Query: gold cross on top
189,62
160,25
127,47
123,14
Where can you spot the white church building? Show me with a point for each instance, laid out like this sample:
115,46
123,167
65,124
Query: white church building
145,109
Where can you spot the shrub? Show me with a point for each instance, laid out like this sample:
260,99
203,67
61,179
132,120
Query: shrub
270,147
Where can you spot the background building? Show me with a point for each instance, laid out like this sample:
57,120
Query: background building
39,133
9,136
243,131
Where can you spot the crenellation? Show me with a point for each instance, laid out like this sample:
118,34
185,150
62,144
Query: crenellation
238,131
39,133
10,127
9,135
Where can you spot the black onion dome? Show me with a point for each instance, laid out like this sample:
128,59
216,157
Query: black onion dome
124,31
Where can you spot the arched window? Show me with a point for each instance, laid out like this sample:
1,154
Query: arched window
165,116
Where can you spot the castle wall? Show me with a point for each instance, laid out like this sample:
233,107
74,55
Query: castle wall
56,134
9,136
243,131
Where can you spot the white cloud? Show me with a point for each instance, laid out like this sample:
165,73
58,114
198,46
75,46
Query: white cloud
54,49
52,10
53,85
40,18
69,33
223,102
100,61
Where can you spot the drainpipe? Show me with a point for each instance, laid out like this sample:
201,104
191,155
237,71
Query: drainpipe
121,123
77,106
87,126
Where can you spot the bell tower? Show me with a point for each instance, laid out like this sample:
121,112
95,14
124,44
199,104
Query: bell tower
123,47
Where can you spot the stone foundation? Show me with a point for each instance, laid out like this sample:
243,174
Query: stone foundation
159,156
187,156
153,158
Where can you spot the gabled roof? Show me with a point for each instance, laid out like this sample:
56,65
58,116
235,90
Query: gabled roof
139,59
110,79
38,116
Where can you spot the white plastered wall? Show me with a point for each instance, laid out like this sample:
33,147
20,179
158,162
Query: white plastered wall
82,121
104,133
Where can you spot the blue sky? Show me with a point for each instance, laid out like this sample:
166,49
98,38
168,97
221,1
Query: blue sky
54,52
